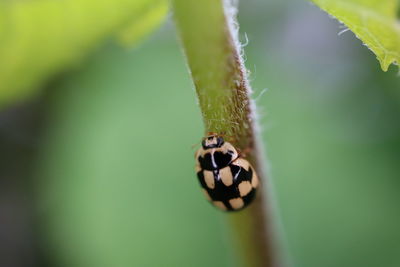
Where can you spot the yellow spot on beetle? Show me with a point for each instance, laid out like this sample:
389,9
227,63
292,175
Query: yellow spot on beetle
197,168
226,176
242,163
206,195
220,205
236,203
209,179
244,188
254,181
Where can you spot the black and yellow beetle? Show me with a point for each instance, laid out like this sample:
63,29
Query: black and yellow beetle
229,182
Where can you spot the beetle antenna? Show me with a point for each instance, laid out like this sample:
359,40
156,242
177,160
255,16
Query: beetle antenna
195,145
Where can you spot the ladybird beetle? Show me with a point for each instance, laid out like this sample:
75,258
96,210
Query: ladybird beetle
228,181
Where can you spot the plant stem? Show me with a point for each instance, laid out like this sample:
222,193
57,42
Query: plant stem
208,32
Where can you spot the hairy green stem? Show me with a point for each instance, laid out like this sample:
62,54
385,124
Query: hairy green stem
208,33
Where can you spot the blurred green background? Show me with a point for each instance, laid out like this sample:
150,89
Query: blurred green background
113,181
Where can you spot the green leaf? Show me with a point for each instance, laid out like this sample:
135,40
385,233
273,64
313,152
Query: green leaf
374,22
143,24
39,39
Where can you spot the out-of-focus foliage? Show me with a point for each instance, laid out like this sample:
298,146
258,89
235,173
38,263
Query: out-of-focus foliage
372,21
119,188
115,183
41,38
